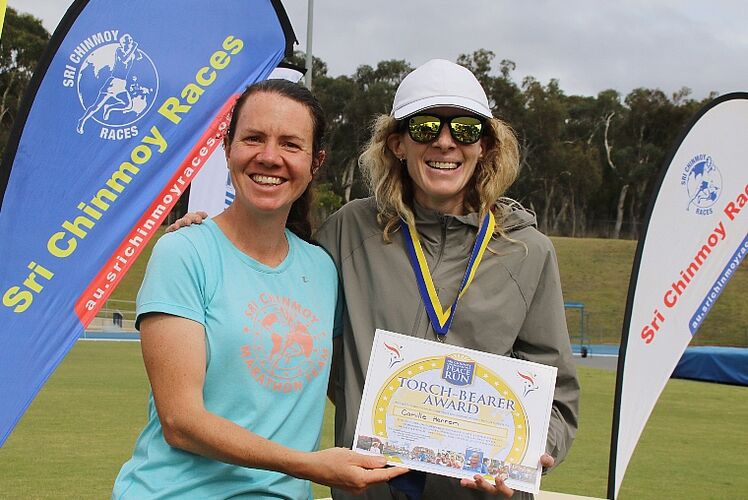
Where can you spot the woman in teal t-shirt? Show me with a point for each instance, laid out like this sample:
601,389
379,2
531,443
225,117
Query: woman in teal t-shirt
236,320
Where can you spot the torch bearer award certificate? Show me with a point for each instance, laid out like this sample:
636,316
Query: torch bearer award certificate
453,411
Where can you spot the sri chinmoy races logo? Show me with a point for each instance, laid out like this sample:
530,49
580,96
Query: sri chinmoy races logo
116,82
703,183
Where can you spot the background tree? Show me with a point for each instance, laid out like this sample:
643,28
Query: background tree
21,46
351,104
539,131
584,166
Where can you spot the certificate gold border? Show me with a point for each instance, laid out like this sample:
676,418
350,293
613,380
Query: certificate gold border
384,397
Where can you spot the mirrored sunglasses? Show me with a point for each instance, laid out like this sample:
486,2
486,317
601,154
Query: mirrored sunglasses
426,128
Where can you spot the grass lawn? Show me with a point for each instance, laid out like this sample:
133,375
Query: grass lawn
692,446
597,272
82,426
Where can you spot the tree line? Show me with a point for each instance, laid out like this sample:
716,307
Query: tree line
588,162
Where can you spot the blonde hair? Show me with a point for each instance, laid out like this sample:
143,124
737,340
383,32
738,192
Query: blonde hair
392,187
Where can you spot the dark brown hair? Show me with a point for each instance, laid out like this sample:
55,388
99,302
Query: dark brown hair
299,217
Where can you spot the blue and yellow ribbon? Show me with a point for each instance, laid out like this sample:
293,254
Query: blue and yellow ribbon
441,319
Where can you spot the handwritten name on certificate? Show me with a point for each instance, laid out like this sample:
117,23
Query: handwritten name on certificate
453,411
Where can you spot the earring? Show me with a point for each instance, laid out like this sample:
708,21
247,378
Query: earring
403,162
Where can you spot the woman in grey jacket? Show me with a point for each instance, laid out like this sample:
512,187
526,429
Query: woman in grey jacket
440,163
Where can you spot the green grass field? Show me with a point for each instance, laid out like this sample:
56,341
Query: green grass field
82,426
597,272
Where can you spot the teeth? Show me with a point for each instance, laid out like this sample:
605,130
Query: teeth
266,179
442,165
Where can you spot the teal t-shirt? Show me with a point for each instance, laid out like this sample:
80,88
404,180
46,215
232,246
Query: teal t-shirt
268,339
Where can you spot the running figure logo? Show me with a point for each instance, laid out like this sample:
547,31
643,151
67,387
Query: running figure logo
286,346
290,339
117,84
703,182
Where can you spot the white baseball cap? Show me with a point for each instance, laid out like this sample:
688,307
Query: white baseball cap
440,83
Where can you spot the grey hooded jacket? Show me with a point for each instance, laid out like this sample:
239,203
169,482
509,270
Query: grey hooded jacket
513,307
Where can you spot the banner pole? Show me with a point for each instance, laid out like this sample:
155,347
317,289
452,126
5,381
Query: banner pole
309,57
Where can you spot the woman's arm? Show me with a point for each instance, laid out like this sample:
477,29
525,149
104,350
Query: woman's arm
175,359
545,339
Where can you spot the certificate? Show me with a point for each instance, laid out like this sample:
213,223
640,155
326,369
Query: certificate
457,412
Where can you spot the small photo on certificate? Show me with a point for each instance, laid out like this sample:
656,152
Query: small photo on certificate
456,412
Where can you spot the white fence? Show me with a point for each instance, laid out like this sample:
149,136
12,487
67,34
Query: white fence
115,316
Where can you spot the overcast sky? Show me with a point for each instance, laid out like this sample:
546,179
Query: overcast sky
588,45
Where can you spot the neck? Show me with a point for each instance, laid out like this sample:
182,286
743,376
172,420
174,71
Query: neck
449,206
261,237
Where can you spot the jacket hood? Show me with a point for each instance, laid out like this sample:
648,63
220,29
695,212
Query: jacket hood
515,216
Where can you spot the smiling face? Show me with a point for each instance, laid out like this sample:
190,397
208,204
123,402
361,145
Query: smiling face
270,156
441,170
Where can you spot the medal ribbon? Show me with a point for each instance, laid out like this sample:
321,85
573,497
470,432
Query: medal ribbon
441,319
